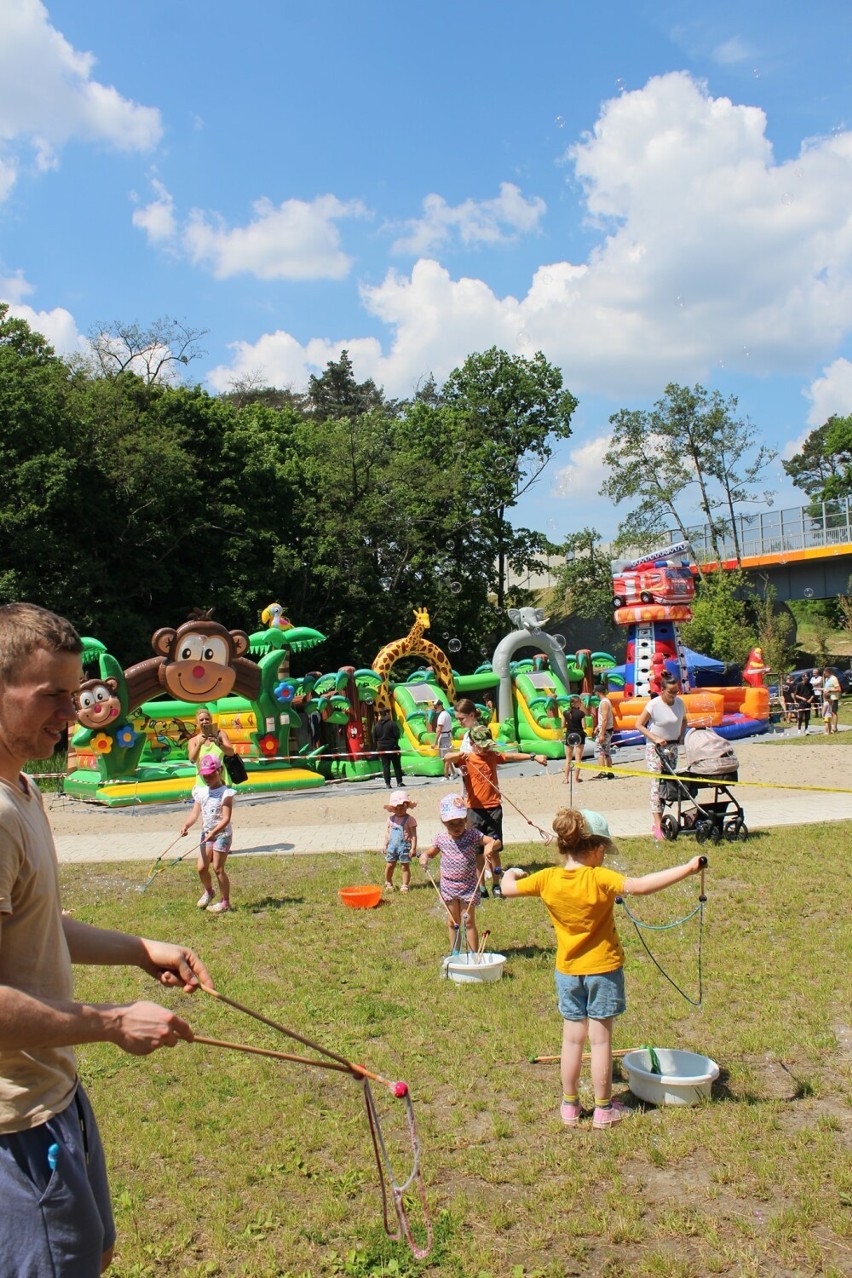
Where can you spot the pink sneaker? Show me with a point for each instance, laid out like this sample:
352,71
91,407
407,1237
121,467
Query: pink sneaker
609,1117
570,1113
221,907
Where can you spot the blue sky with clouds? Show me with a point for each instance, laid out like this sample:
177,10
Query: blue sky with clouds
645,191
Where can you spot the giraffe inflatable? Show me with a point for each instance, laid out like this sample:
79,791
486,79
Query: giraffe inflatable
413,645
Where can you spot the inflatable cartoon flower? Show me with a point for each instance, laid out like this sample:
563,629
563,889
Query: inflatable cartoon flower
284,692
101,743
125,736
268,745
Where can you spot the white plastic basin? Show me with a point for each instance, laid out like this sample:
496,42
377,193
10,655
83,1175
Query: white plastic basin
686,1077
466,968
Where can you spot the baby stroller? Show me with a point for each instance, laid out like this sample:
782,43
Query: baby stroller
703,807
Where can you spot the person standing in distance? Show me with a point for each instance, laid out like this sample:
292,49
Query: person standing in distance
603,734
386,740
663,725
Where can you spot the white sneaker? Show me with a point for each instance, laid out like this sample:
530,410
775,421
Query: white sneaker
221,907
204,901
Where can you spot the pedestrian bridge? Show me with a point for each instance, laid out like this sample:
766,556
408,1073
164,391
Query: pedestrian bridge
804,552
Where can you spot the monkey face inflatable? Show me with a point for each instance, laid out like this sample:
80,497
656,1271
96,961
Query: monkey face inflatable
97,703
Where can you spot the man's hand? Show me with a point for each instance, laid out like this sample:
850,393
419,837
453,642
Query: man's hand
140,1028
174,965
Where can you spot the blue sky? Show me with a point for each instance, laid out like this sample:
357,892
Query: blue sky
646,192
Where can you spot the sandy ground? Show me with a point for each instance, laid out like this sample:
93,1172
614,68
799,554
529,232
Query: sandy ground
803,762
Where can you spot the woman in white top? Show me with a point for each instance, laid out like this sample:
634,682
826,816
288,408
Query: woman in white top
662,723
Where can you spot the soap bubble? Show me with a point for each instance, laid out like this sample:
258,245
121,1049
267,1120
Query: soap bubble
455,645
620,85
808,592
446,635
560,641
560,121
455,587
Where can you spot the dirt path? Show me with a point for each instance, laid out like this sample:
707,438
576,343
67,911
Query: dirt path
771,761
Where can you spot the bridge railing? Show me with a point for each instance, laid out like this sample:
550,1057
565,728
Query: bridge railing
776,531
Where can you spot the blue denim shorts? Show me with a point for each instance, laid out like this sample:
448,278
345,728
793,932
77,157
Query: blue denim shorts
401,854
56,1217
598,997
222,843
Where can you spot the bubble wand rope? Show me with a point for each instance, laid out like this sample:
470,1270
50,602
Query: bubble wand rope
157,867
362,1075
504,798
664,927
385,1169
458,942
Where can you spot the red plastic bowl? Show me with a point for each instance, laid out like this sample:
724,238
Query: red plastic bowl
360,898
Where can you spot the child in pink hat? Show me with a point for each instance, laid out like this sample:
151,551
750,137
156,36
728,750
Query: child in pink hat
213,801
400,843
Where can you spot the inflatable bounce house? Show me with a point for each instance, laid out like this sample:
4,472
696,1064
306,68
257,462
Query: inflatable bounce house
133,725
652,596
521,701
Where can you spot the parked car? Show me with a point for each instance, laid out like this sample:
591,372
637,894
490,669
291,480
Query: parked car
844,677
654,584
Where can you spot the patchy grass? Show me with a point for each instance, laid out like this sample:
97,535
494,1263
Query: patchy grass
224,1163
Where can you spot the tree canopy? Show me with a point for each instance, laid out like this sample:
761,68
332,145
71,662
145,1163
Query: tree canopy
130,500
690,446
823,466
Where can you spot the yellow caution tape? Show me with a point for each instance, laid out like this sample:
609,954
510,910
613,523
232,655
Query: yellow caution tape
688,780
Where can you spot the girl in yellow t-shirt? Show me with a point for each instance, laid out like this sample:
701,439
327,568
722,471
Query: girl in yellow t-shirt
580,898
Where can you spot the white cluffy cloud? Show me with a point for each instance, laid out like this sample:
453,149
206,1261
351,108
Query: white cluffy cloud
294,240
48,95
831,394
709,254
585,471
497,221
58,326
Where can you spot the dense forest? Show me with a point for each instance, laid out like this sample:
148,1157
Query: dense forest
128,500
131,498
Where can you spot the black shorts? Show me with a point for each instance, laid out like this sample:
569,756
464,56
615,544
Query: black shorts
488,821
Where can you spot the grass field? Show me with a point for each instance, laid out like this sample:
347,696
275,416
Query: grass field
224,1163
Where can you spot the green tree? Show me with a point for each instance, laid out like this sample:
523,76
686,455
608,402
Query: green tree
584,582
776,631
736,460
50,485
721,626
336,393
513,409
823,467
690,439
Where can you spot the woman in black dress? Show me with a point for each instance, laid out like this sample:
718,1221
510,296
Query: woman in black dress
574,725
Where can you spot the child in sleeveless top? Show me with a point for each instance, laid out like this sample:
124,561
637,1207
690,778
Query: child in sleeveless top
460,879
400,843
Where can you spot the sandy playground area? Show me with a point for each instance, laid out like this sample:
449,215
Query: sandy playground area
770,768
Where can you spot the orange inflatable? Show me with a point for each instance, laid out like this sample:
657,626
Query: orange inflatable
652,612
755,668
